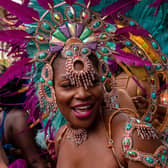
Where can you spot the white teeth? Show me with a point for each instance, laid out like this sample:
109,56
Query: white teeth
83,107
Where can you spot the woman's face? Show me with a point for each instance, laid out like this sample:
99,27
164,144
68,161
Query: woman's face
78,105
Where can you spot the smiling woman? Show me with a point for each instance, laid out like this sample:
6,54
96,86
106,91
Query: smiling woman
74,52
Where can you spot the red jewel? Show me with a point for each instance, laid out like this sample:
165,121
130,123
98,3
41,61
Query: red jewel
84,15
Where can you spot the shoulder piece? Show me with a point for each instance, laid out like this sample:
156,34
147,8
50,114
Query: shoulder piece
159,158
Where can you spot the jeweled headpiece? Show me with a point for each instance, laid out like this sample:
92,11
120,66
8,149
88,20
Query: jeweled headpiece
79,32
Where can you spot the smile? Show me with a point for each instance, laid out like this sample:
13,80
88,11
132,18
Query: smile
83,111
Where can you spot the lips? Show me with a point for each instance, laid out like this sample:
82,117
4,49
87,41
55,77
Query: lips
82,110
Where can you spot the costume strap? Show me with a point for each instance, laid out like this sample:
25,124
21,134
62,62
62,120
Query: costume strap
146,131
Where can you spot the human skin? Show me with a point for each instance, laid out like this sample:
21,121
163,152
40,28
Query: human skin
16,132
94,151
3,158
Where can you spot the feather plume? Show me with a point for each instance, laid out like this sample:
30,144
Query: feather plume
92,2
70,2
18,163
17,70
130,59
121,6
135,30
22,12
45,3
11,36
157,4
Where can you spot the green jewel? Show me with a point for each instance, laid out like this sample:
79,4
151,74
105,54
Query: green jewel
109,74
42,55
105,58
163,158
103,78
167,139
138,121
128,126
132,154
149,124
42,80
76,48
110,27
87,32
103,36
98,55
131,23
96,24
164,152
153,95
117,105
59,35
149,159
85,51
70,14
154,45
144,45
158,67
164,59
69,53
148,67
111,45
128,43
127,143
46,26
104,50
147,118
50,82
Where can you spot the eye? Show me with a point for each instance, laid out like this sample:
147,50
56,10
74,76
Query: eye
66,84
96,81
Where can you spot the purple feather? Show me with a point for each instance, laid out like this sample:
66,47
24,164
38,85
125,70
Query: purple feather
157,4
17,36
70,2
22,12
130,59
92,2
45,3
121,6
136,30
18,163
17,70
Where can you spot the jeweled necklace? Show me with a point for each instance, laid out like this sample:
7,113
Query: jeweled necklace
77,136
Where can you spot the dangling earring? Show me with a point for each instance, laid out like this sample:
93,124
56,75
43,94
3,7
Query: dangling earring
110,91
46,90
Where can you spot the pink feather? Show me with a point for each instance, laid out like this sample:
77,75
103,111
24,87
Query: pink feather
70,2
121,6
93,2
11,36
22,12
17,70
45,3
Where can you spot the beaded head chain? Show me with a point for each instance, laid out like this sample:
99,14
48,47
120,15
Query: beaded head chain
79,32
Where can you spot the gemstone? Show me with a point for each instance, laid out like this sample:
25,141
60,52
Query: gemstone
103,36
164,59
84,15
131,23
109,74
56,16
96,24
154,45
46,26
103,78
40,37
42,80
148,67
70,13
76,48
42,55
158,67
144,45
128,126
69,53
85,51
149,159
98,55
163,158
126,143
59,35
110,27
132,154
111,45
117,105
153,95
128,43
147,118
104,50
50,82
105,58
87,32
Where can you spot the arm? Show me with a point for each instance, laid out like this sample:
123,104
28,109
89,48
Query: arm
3,158
22,137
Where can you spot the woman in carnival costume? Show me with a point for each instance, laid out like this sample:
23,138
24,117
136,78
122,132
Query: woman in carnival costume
78,49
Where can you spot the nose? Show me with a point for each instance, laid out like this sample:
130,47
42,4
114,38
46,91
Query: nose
82,93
